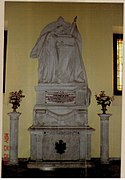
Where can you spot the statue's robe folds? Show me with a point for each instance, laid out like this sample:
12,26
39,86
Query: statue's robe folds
59,52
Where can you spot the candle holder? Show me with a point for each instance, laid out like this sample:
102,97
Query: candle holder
103,100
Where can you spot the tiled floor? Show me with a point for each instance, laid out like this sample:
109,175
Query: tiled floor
111,170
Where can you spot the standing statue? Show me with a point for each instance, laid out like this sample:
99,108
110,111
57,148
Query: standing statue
59,50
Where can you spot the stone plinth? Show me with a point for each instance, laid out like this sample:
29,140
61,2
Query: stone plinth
60,130
13,153
77,142
61,104
49,166
104,138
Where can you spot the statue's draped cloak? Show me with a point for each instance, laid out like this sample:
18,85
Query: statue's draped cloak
59,50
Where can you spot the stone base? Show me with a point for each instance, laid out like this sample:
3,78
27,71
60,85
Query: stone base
61,105
60,132
56,165
60,143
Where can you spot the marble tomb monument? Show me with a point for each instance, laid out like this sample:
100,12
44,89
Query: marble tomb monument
60,135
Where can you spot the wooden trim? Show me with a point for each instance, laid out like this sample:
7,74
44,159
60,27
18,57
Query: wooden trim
115,37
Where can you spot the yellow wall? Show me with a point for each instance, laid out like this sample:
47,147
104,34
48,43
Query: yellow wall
96,24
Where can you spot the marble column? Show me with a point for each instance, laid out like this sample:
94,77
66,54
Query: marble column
104,138
13,153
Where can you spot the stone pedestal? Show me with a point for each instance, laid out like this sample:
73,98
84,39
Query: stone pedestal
13,153
47,144
60,130
104,138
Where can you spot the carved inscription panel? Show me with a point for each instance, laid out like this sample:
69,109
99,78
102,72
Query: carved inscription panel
60,97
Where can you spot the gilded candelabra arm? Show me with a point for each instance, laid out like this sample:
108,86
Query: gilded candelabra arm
15,98
103,100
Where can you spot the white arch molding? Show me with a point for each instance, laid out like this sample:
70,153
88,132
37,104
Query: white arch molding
2,3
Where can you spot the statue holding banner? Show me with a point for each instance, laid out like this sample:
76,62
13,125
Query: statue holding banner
59,52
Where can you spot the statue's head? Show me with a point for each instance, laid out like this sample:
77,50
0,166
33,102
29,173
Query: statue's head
60,19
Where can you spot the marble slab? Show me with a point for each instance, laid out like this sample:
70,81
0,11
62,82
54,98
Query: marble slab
77,143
